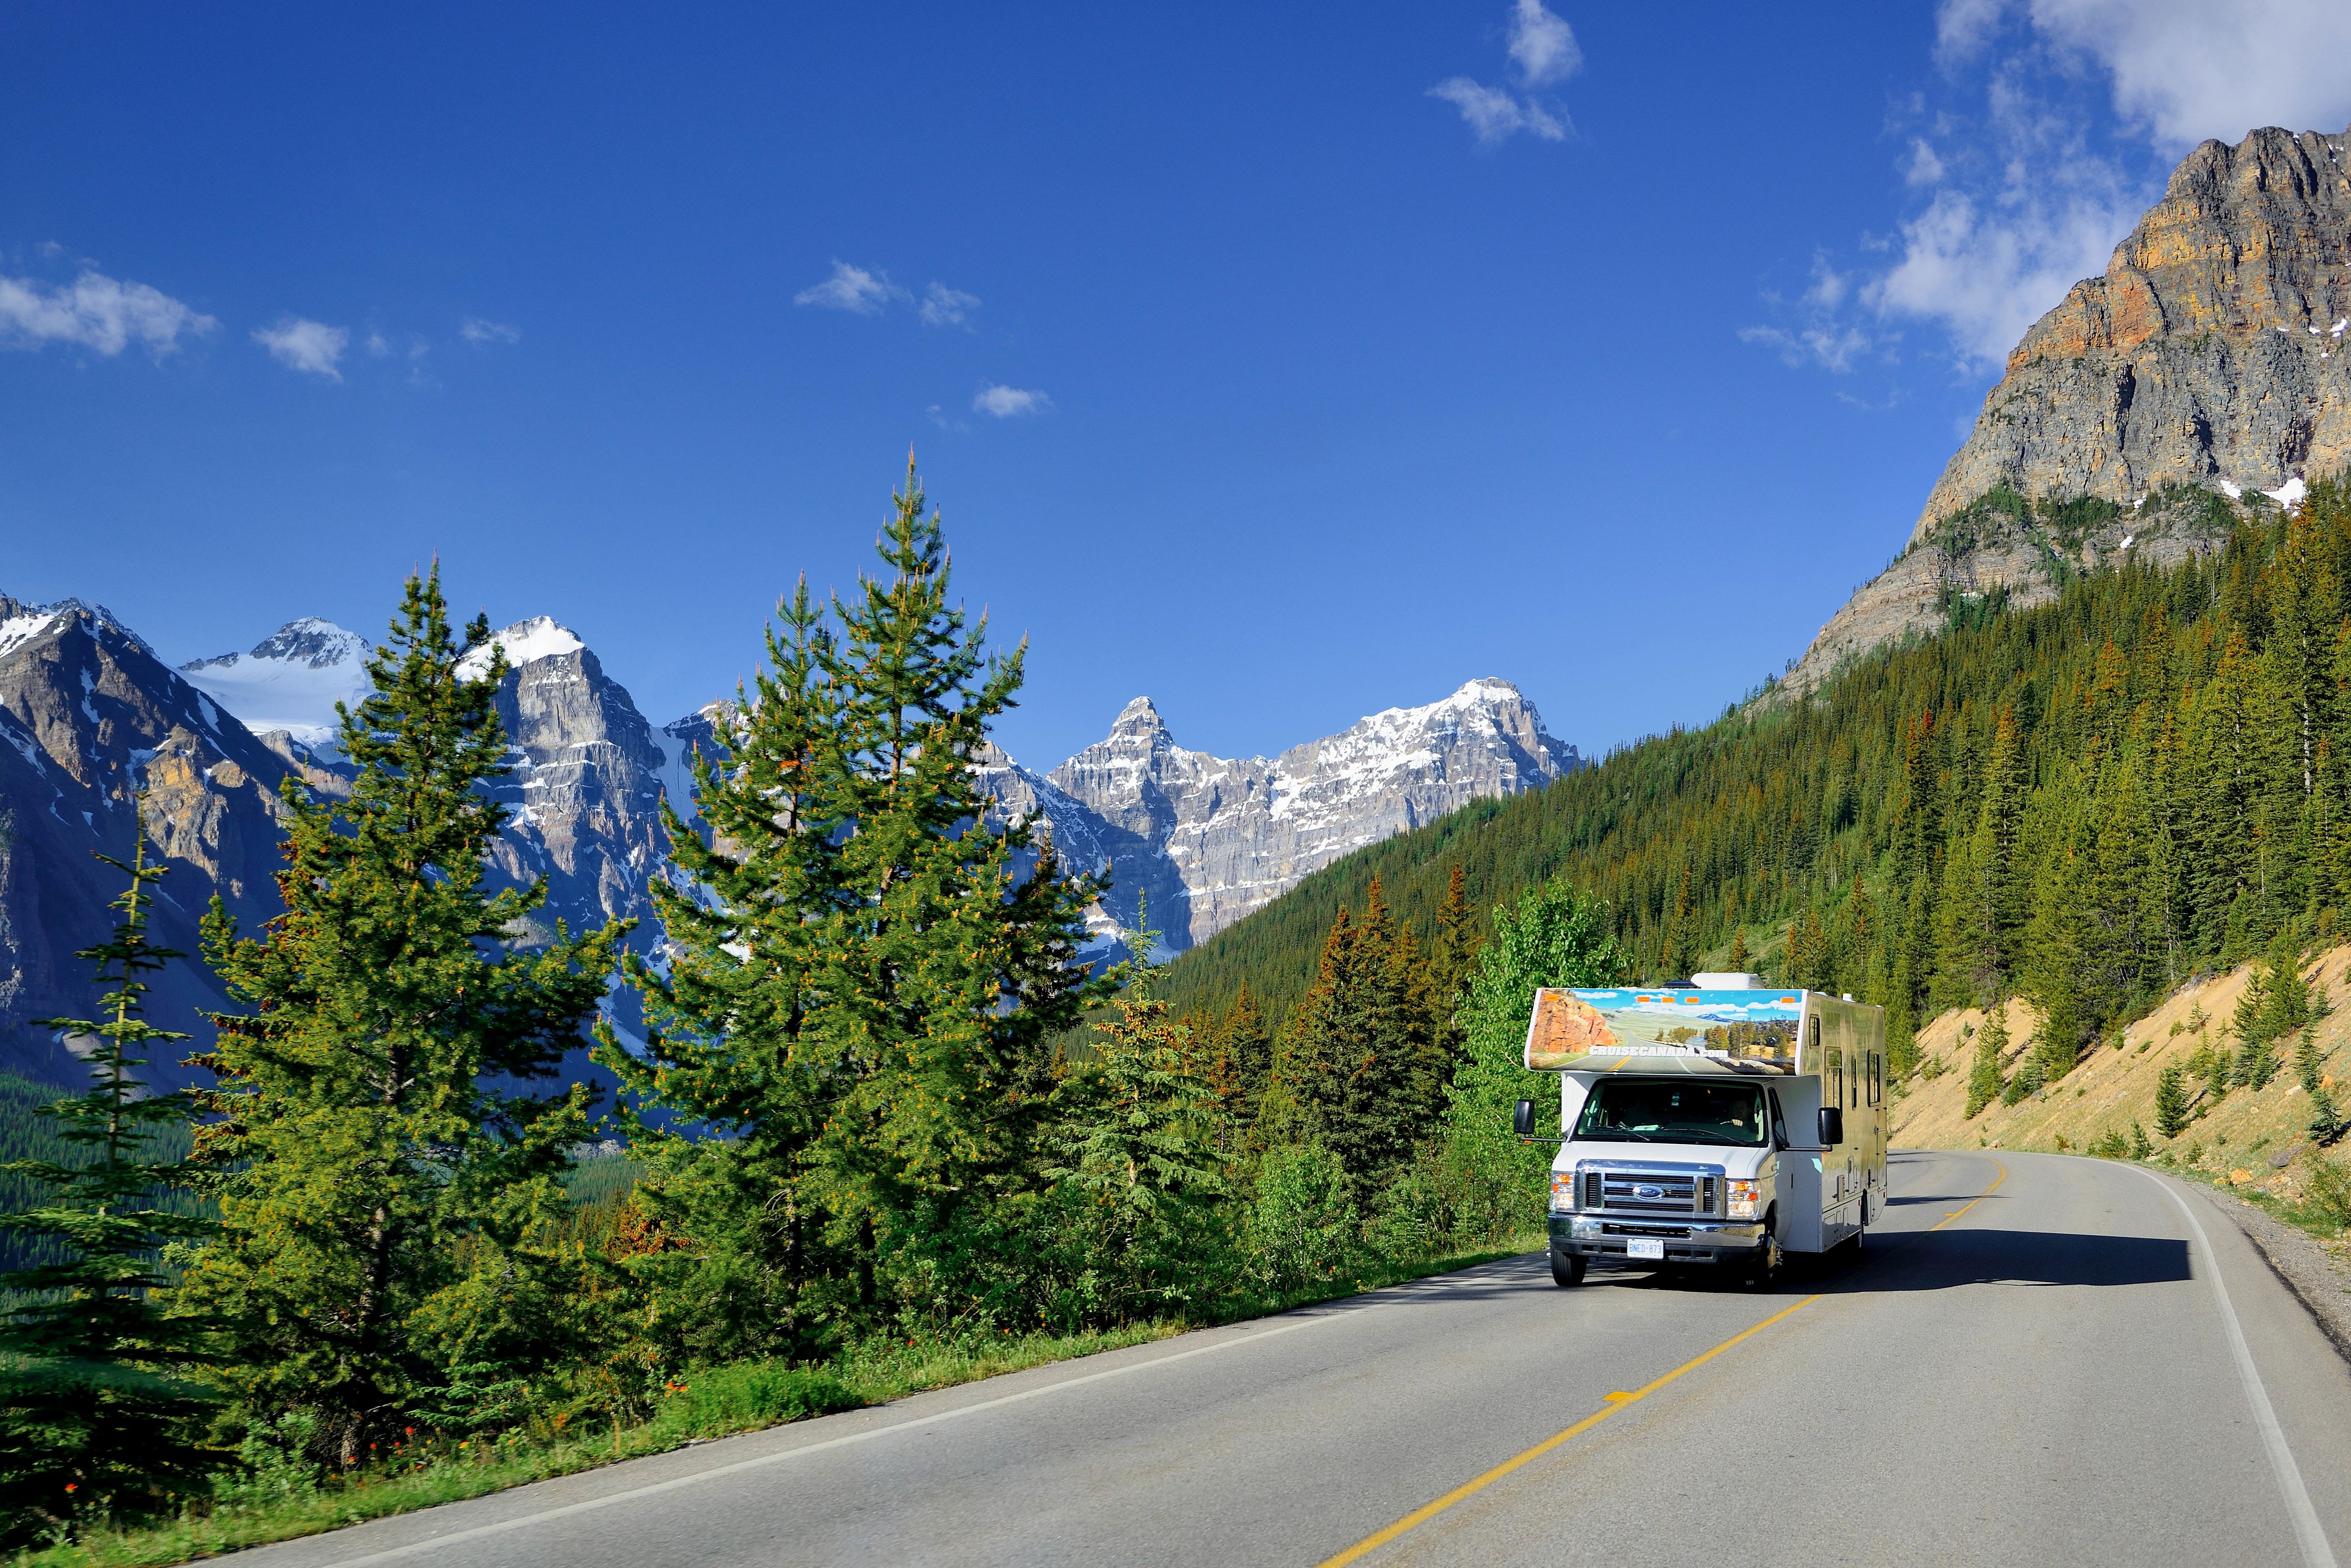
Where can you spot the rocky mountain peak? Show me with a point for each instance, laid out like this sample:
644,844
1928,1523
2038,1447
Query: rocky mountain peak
2209,365
1138,717
1204,839
99,737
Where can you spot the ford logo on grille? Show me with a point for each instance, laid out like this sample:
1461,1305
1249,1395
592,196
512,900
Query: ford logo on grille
1648,1192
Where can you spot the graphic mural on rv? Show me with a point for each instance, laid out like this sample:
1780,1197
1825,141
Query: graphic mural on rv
1570,1025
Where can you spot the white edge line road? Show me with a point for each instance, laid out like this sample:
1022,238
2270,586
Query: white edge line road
2312,1537
697,1477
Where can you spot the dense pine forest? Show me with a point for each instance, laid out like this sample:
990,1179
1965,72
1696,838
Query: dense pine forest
367,1254
2082,803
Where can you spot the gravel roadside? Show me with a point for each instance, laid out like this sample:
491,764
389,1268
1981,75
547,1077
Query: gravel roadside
2318,1274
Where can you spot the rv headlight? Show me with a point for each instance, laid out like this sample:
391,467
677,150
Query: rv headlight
1562,1189
1746,1200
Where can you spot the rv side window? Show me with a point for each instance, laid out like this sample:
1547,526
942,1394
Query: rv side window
1836,1077
1877,1076
1779,1123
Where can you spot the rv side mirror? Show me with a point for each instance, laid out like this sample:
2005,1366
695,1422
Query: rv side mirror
1524,1119
1831,1126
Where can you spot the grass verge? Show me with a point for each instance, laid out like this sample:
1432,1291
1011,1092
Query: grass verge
717,1402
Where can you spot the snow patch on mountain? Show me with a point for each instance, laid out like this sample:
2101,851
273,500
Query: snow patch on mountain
290,680
526,641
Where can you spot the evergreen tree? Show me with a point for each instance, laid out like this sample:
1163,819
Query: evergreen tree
2171,1101
1136,1144
1984,1081
1347,1061
866,989
98,1412
2327,1121
387,1177
1250,1043
2140,1149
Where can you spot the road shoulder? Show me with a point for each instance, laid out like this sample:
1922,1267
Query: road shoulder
2318,1277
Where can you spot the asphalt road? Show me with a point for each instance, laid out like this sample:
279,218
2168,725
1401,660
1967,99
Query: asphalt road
2052,1375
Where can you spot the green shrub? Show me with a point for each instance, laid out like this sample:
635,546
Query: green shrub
746,1394
1302,1229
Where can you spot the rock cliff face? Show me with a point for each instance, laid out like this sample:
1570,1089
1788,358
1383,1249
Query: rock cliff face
1207,839
585,793
2213,354
88,715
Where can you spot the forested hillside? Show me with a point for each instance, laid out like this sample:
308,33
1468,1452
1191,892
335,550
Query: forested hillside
2081,804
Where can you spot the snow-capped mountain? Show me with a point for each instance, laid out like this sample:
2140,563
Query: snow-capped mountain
89,716
291,680
1207,839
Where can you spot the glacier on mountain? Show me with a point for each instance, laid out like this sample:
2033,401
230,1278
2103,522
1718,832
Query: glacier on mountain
291,680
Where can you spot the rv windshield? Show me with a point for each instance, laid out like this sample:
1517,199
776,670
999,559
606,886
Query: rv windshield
1679,1110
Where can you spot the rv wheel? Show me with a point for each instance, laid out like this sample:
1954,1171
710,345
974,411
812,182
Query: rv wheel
1765,1270
1566,1268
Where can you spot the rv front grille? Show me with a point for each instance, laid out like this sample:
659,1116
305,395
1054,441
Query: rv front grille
1664,1192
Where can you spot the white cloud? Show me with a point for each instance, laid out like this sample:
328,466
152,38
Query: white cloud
1987,274
1829,285
377,345
476,330
1542,45
945,307
312,347
1830,345
1495,115
1009,403
1544,50
96,312
2187,69
1924,168
851,288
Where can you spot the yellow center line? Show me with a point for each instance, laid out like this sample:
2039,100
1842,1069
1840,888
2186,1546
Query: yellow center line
1616,1401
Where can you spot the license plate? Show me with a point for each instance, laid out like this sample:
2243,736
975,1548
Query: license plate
1646,1246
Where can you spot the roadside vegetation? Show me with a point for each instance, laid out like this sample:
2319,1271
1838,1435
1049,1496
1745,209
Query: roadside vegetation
886,1131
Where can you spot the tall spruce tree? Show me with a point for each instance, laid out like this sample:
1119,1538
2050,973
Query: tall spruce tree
387,1165
99,1415
1137,1142
1984,1081
865,987
1349,1060
2171,1099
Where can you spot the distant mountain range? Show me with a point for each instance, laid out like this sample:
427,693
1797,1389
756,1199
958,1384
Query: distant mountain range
89,713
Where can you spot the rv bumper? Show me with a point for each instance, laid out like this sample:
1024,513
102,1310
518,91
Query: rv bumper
1602,1236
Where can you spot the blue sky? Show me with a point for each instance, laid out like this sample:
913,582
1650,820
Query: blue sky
1284,363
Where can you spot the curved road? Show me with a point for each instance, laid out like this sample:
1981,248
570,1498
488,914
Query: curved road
2089,1364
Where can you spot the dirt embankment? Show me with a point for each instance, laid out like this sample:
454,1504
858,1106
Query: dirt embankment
2251,1136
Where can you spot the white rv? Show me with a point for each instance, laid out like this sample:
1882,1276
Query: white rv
1722,1127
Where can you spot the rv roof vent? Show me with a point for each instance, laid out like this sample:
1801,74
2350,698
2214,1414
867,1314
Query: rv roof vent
1728,982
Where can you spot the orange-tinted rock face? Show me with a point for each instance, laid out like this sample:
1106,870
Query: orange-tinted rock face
2207,355
2205,352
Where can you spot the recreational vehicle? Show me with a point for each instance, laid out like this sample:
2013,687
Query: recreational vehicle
1721,1126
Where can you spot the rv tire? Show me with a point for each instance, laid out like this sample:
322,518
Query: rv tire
1566,1268
1765,1271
